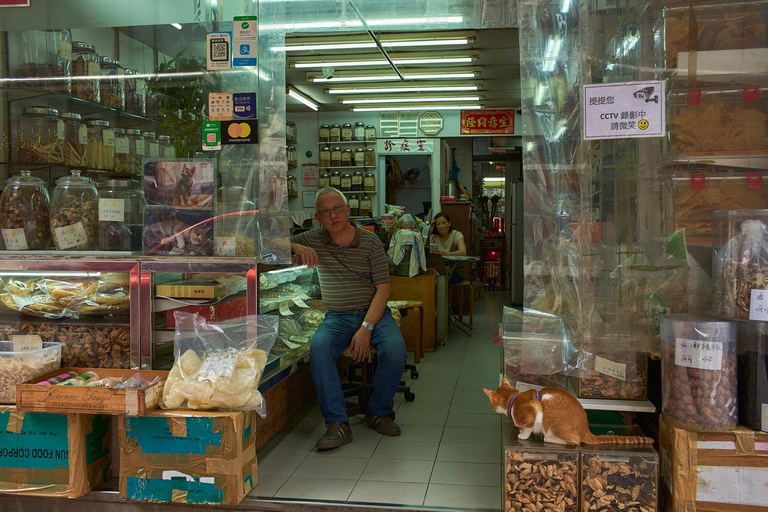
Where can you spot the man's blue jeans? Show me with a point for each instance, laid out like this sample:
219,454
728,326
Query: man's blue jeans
332,337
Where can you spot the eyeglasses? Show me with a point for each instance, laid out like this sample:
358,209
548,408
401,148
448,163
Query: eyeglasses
336,209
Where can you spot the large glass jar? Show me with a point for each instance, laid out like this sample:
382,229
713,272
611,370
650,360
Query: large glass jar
325,133
369,182
24,221
41,135
100,152
166,148
325,156
346,158
293,190
335,133
365,206
359,157
370,132
346,132
151,145
346,182
75,139
46,54
354,205
235,227
122,150
290,131
135,151
112,87
135,93
357,181
336,179
292,156
359,131
325,180
75,213
370,157
336,156
121,215
85,63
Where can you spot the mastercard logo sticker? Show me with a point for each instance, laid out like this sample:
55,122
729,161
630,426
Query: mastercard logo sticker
237,130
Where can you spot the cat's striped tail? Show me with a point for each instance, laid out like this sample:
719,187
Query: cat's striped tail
593,439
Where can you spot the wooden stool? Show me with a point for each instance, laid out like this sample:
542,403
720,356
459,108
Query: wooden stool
460,288
411,329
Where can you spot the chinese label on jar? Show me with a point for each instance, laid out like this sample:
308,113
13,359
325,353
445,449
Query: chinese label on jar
82,135
611,369
154,150
71,236
109,137
704,355
26,342
758,306
15,239
225,245
121,146
112,210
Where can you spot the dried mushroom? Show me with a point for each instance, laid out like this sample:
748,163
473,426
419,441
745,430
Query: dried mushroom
595,384
546,483
625,483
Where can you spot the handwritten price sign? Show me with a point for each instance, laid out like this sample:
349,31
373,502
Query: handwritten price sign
610,368
704,355
758,306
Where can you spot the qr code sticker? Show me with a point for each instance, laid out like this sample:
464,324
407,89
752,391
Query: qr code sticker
219,51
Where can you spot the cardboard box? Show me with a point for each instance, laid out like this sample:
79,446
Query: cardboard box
195,457
215,313
53,454
713,472
91,400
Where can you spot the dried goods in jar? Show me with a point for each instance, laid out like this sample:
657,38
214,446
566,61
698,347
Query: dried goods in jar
24,206
715,126
14,371
618,483
619,376
80,348
540,482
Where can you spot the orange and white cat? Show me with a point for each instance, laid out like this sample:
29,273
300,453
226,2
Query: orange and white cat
552,412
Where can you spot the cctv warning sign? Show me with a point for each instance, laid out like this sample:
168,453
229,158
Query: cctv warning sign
624,110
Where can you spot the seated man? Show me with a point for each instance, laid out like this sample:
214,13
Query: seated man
354,280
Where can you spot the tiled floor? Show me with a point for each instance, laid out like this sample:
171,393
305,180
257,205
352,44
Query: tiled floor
449,454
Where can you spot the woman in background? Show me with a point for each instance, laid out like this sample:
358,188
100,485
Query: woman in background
450,242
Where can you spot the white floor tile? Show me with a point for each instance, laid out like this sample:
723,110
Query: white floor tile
420,404
466,473
471,435
398,470
456,419
314,488
267,485
463,496
397,493
480,405
417,417
333,467
487,453
275,464
357,449
395,448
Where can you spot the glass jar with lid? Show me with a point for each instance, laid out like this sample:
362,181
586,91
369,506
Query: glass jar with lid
135,151
359,157
135,93
346,158
325,180
370,157
346,132
291,155
293,191
151,145
122,150
24,221
366,206
121,215
370,132
75,213
369,182
357,181
325,133
85,62
335,133
354,205
100,151
336,179
336,156
359,131
41,135
166,149
112,88
46,54
346,182
325,156
75,139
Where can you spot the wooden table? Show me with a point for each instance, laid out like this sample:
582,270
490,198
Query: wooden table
421,288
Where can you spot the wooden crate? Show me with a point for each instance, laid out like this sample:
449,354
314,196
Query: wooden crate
91,400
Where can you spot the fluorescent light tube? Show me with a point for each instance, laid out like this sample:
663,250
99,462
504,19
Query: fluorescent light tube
494,179
383,62
296,95
354,46
176,25
394,22
385,108
410,100
376,78
437,88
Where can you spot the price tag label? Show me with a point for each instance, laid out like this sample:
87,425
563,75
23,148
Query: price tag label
758,306
112,210
15,239
285,309
154,150
82,135
94,69
290,344
26,342
610,368
704,355
299,302
217,365
524,386
65,50
225,245
140,149
304,296
108,137
71,236
60,129
121,145
168,152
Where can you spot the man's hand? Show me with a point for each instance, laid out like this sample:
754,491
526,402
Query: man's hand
304,255
361,344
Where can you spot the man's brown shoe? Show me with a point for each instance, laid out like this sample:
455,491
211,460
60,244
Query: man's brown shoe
383,424
336,434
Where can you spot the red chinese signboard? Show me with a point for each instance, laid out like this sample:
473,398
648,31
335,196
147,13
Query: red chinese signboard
14,3
475,122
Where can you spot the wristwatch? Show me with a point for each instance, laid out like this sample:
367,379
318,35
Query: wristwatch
368,326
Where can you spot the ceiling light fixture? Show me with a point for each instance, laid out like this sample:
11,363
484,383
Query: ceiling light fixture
385,108
376,60
361,45
434,76
393,22
410,100
380,75
391,90
177,25
300,97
